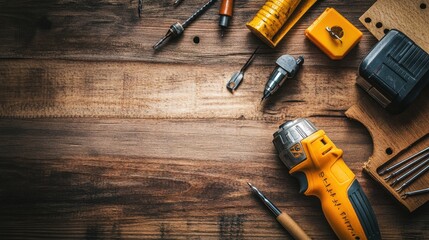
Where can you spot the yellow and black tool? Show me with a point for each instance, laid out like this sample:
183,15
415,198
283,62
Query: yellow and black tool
318,165
276,18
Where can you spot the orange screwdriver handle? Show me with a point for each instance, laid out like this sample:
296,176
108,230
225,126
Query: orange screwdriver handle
226,7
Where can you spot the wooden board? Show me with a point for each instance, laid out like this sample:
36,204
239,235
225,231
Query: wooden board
400,135
97,61
110,30
165,156
52,88
167,179
408,16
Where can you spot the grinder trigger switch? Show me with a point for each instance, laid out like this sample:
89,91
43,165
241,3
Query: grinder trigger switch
302,179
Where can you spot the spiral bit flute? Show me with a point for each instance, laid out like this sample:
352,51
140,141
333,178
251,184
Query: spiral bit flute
178,28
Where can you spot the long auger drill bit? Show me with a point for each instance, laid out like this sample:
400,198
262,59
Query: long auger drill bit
178,28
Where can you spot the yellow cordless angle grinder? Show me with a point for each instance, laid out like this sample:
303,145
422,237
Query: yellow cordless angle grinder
318,165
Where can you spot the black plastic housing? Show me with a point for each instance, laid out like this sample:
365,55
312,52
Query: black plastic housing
395,71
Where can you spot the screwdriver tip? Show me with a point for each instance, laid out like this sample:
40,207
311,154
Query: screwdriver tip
222,31
253,188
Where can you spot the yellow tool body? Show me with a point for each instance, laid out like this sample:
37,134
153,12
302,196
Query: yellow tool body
318,164
276,18
329,178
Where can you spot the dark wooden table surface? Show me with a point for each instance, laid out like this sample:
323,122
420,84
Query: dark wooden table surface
100,137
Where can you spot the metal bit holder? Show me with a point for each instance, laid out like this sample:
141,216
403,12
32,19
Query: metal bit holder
237,77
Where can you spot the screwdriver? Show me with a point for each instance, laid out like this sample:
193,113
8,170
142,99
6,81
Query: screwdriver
283,218
225,13
178,28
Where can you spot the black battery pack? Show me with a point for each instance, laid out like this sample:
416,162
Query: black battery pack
395,71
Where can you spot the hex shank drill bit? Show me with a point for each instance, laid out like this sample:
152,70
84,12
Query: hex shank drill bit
178,28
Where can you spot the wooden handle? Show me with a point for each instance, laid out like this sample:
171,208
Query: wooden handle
291,226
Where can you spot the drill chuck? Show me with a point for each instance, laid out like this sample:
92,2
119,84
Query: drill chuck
287,140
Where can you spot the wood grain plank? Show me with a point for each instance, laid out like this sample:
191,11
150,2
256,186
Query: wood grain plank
411,18
401,135
165,179
111,30
53,88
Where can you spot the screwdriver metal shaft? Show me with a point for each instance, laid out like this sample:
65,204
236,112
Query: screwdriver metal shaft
413,193
393,167
407,166
409,181
178,28
414,169
283,218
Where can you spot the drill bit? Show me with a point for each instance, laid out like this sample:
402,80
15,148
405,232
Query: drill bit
417,192
409,172
409,181
237,77
407,166
178,28
393,167
283,218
